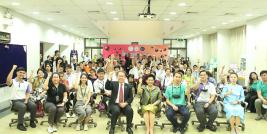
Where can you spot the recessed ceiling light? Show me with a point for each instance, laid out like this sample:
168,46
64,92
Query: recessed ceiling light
15,3
113,12
204,30
115,18
224,23
109,3
231,21
183,4
167,19
172,13
63,25
49,19
249,15
35,13
213,27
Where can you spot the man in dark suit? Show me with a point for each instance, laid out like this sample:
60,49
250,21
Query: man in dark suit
120,102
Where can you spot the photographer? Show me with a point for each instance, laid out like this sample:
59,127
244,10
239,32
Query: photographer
205,94
175,98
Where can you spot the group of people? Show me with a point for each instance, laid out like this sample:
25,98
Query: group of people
174,87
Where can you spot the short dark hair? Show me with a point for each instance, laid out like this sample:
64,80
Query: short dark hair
195,66
233,73
263,72
178,72
20,69
100,70
117,66
203,71
150,76
167,69
68,66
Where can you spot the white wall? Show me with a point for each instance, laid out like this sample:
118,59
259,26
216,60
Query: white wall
195,49
256,45
144,32
26,31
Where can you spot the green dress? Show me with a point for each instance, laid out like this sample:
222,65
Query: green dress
149,97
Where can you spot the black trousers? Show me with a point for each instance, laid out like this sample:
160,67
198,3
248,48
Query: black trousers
116,110
250,99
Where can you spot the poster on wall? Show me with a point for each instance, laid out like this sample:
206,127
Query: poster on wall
120,50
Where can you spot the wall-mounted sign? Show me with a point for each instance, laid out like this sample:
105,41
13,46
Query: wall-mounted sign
5,37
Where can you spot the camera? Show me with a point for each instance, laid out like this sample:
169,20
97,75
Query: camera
176,96
102,91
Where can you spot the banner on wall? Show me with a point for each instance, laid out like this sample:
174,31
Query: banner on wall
133,50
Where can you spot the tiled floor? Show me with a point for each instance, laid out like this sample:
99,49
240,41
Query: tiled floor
252,126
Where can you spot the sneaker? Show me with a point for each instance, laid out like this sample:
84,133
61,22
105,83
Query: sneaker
211,128
182,130
259,117
85,127
32,124
54,128
78,127
21,127
200,128
50,129
68,115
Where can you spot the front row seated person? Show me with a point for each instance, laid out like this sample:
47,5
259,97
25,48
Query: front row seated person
175,95
20,97
204,102
233,95
262,97
150,101
55,102
120,101
82,106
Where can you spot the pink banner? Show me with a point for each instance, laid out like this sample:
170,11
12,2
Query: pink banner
133,50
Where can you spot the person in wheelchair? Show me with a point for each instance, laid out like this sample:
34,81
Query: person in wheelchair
233,96
150,101
175,95
82,107
261,102
20,97
55,102
205,94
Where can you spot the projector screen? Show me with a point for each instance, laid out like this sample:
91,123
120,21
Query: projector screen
11,54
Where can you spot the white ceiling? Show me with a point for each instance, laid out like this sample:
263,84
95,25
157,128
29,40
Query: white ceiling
81,16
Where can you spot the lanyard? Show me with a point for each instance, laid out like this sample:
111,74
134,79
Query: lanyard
178,88
83,92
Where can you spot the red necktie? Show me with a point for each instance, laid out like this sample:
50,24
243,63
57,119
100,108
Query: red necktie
121,94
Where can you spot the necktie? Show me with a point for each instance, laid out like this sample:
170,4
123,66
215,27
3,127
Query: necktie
121,94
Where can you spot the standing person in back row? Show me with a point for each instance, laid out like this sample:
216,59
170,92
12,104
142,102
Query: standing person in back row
120,102
20,96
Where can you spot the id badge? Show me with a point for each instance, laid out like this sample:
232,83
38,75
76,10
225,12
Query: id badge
57,98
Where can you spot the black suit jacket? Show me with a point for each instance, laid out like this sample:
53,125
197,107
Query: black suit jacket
114,87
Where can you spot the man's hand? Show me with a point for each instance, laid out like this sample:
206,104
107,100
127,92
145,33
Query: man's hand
264,102
14,67
206,105
26,102
60,105
122,105
175,108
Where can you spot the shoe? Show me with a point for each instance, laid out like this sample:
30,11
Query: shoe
85,127
200,128
175,129
129,130
259,117
50,129
54,128
21,127
68,115
211,128
182,130
32,124
78,127
111,131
